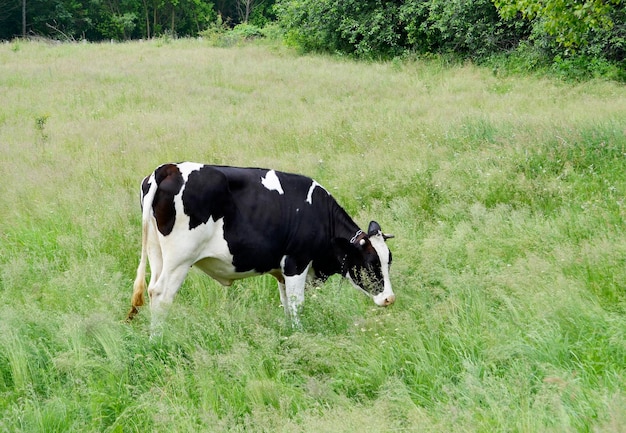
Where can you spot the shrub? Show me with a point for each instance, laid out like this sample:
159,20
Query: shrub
247,31
364,28
470,28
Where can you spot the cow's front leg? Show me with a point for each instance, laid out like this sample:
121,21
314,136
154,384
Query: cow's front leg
295,280
282,290
283,296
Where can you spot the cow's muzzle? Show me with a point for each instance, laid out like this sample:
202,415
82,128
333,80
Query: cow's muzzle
389,300
384,300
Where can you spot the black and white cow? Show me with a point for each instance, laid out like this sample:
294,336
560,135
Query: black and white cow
234,223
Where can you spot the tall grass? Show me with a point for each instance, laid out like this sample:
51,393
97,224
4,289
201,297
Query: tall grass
506,196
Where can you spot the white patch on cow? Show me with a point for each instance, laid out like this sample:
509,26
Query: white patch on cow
214,257
309,196
271,182
186,168
386,296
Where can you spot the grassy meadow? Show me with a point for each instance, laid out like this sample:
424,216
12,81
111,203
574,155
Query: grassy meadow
506,195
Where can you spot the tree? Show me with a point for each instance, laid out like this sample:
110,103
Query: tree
10,18
571,22
470,28
366,28
385,28
245,8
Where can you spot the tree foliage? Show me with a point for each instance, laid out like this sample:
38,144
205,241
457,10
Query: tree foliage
581,37
363,27
386,28
572,35
587,35
125,19
571,22
468,27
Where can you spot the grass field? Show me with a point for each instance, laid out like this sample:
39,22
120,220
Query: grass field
506,196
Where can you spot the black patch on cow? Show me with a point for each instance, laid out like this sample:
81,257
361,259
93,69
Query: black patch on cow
258,228
169,181
206,195
145,186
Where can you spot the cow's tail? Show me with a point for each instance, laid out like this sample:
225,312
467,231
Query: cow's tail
139,287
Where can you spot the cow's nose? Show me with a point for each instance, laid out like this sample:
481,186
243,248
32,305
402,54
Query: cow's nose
389,300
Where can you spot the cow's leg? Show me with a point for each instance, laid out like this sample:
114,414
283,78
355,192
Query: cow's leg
155,260
281,289
283,296
295,280
162,294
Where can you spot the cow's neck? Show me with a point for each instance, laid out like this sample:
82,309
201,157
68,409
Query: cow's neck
344,226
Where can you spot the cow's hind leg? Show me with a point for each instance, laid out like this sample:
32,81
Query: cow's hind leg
162,294
155,260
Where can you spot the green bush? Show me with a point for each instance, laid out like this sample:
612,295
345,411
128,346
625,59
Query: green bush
379,28
470,28
363,28
247,31
582,40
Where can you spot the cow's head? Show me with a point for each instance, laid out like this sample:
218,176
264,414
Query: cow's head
365,261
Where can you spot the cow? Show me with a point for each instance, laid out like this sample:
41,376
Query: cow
233,223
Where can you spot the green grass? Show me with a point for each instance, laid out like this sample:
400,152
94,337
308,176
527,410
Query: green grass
506,196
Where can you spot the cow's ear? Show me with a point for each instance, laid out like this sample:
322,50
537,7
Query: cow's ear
374,229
